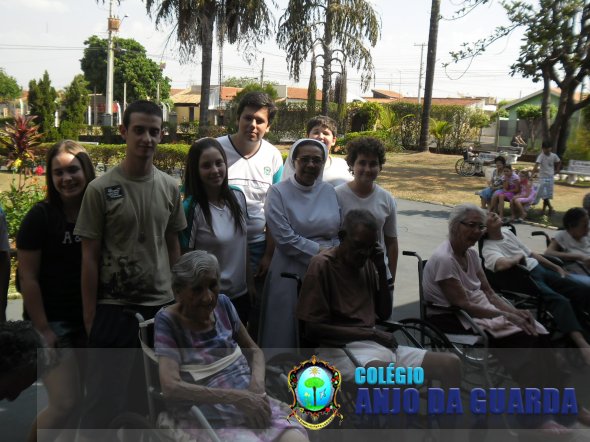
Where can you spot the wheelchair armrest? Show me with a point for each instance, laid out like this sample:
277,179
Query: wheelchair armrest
476,328
555,260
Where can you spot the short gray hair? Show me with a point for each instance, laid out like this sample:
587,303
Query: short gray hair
358,217
459,213
191,266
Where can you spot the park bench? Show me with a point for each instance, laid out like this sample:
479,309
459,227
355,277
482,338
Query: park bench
576,168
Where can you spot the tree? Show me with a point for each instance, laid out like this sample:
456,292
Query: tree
478,120
338,31
311,89
9,88
75,107
42,104
132,66
555,51
239,21
532,115
430,64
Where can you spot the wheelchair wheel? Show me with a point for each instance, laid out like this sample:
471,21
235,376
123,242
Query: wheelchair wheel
418,333
132,427
468,168
458,165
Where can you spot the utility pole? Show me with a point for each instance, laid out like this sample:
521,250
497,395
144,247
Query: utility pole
113,26
421,69
430,64
262,74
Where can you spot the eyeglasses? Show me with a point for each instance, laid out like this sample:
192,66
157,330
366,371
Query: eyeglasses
316,161
473,225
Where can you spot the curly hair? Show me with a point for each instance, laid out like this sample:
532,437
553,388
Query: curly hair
365,146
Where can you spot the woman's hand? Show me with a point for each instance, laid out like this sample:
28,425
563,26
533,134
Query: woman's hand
524,320
255,407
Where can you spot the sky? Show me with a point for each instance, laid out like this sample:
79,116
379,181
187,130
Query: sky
39,35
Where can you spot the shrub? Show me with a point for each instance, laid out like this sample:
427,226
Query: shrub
382,135
18,200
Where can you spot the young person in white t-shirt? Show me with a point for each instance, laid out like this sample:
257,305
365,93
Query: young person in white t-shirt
253,166
547,164
216,221
365,158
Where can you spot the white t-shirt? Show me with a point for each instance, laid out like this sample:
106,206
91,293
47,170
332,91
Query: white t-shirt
547,164
228,244
571,245
507,247
380,203
253,176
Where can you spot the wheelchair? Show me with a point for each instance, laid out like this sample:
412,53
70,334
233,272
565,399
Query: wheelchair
571,266
131,426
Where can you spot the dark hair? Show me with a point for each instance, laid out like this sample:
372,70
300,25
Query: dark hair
358,217
193,185
323,121
81,155
508,166
501,159
258,100
19,342
365,146
573,216
586,202
142,107
545,144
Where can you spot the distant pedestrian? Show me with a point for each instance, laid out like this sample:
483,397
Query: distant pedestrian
547,164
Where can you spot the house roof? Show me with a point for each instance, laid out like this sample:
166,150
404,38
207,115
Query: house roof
383,93
454,101
186,96
554,91
300,93
228,93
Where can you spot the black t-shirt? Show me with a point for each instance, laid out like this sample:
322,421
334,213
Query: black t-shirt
45,228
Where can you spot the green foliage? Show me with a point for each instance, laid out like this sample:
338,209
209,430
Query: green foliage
478,120
255,87
9,88
364,116
18,200
440,130
42,104
132,66
382,135
75,103
239,81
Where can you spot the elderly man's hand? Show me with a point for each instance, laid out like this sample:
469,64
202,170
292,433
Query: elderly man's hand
255,407
378,256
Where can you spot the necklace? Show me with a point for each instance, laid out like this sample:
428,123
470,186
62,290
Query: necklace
141,222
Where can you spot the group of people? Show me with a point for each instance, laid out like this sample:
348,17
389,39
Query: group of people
207,266
517,189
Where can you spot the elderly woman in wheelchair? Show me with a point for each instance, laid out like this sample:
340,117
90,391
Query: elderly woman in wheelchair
454,278
199,342
572,244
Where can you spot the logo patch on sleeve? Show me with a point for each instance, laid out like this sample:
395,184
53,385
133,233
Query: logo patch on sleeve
114,192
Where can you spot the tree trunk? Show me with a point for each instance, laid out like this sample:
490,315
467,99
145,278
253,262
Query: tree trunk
327,49
207,61
430,65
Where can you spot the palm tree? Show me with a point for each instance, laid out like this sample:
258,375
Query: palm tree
246,22
337,29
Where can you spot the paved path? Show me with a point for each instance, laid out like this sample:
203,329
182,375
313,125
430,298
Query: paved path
421,227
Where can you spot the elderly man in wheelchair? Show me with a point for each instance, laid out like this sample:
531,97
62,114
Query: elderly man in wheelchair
345,293
566,298
454,279
207,358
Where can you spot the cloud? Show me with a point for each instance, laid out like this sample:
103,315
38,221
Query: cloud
45,5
